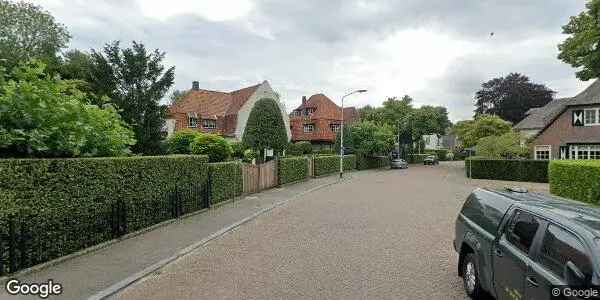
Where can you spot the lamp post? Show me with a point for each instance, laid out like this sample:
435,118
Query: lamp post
342,132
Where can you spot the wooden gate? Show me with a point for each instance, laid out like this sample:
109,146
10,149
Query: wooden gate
259,177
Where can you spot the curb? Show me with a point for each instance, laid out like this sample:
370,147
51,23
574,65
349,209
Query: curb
119,286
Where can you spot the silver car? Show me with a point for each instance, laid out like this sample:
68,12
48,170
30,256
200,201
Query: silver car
398,163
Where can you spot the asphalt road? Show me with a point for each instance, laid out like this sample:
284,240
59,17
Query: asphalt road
379,235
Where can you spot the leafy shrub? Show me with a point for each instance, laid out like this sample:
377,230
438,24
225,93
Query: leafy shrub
180,141
304,147
238,149
365,162
442,154
226,180
265,127
66,205
292,150
292,169
417,158
325,152
330,164
577,179
216,147
506,146
504,169
249,155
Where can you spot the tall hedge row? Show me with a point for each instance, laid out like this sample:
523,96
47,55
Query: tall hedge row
364,162
292,169
577,179
504,169
226,180
54,207
330,164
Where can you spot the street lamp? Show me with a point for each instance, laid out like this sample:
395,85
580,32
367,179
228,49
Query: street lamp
342,132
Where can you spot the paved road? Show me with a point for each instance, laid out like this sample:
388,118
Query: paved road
380,235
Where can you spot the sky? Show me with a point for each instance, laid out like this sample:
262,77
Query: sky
437,51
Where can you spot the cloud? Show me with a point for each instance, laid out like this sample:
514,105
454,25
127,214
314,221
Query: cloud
437,51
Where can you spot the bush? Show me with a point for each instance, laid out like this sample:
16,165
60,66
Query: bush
330,164
578,180
292,169
216,147
504,169
249,155
180,141
364,162
226,180
324,152
417,158
65,205
265,127
442,154
507,146
238,149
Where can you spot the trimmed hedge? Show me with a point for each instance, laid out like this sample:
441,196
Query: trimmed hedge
226,180
364,162
292,169
575,179
58,206
330,164
510,170
417,158
441,154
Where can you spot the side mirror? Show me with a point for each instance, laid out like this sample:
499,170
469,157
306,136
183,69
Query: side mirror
573,276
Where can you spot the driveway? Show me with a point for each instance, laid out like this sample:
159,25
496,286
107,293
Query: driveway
383,234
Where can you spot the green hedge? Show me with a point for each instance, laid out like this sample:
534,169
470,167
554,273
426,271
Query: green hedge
511,170
330,164
364,162
226,180
416,158
576,179
59,206
441,154
292,169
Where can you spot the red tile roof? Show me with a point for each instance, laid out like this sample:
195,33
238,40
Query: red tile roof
326,113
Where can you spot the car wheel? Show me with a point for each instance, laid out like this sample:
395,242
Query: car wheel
471,277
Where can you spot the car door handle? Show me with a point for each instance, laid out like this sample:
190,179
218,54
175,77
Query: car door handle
499,253
532,281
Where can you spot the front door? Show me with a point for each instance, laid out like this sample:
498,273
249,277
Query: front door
511,255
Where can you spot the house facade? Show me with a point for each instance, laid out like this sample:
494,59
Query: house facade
222,113
570,127
318,120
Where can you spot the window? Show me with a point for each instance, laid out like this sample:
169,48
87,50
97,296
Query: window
521,230
559,247
335,127
209,124
585,152
543,152
296,113
192,120
590,117
309,127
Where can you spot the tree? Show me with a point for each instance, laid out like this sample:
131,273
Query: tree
370,139
135,81
77,65
580,49
216,147
507,146
469,132
176,96
265,128
180,141
43,116
429,120
28,32
511,97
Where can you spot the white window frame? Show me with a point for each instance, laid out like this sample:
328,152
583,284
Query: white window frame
596,113
308,128
335,127
212,126
574,150
544,147
192,120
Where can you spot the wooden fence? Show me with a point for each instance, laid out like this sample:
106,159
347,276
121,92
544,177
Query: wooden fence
259,177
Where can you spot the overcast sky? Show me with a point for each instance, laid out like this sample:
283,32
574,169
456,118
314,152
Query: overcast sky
437,51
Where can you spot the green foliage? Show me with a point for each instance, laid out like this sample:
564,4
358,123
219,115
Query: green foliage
176,96
215,146
417,158
249,155
28,32
135,81
429,120
330,164
504,169
580,49
299,148
377,162
237,148
575,179
470,131
44,116
226,180
292,169
506,146
371,139
442,154
265,127
325,152
67,204
180,141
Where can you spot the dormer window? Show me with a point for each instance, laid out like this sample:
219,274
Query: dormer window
335,127
209,124
297,113
308,128
192,120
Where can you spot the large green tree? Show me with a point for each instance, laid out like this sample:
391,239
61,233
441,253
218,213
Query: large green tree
511,97
370,139
265,128
28,32
506,146
135,81
470,131
582,48
429,120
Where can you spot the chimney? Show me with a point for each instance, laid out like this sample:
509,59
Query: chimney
195,85
303,100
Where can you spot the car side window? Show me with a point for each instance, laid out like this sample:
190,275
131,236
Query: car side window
521,230
559,247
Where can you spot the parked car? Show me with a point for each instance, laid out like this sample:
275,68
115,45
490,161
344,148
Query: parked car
398,163
431,160
513,243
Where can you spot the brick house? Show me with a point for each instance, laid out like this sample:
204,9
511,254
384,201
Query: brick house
223,113
567,128
318,120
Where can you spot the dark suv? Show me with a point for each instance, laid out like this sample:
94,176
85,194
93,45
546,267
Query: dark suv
513,244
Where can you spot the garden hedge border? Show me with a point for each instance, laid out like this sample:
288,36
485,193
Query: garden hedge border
509,170
575,179
292,169
226,181
330,164
365,162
